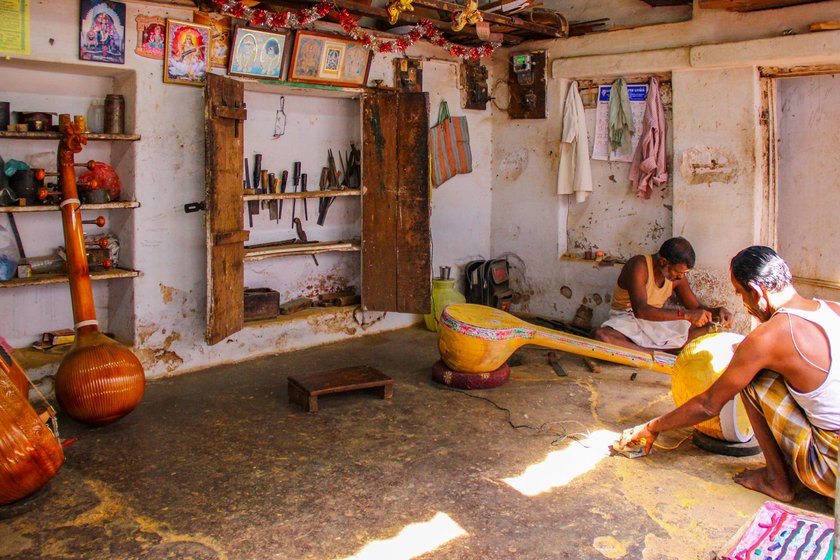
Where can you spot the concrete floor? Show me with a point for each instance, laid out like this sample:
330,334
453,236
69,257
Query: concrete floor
218,465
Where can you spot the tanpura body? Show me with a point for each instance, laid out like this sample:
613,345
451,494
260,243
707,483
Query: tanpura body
30,454
477,339
99,380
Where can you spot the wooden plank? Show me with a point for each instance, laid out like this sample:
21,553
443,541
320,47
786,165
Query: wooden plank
413,243
58,278
56,208
307,194
224,215
511,21
51,135
290,249
379,209
749,5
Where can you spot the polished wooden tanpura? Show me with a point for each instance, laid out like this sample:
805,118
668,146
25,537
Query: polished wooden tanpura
30,453
99,380
477,339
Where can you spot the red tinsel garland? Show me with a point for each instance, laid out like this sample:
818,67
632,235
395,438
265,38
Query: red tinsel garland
262,18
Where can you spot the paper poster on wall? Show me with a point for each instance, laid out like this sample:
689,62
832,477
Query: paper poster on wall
14,27
637,94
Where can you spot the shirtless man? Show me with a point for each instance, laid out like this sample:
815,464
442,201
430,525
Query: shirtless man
638,318
787,378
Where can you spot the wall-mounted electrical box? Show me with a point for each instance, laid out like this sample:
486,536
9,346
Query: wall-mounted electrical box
408,75
475,93
526,82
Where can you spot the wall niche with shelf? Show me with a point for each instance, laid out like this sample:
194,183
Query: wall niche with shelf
42,303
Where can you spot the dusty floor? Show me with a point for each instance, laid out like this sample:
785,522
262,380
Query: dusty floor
217,464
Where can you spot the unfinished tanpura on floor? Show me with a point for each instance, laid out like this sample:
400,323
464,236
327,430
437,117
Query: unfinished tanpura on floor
218,464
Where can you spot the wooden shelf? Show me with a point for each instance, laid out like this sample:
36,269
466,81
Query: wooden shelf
53,135
593,262
56,208
294,88
259,252
308,194
42,279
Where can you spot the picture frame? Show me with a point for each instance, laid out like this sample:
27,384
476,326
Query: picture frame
219,36
258,53
102,31
186,53
151,36
319,58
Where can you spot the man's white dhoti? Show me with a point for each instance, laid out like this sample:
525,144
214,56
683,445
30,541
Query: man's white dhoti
660,335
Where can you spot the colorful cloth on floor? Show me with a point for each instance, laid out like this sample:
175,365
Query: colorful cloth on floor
777,532
648,168
620,126
811,451
574,175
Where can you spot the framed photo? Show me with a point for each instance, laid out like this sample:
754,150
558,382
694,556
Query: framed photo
102,31
186,53
219,36
151,36
259,53
319,58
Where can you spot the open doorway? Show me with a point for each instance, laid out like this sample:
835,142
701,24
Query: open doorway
803,197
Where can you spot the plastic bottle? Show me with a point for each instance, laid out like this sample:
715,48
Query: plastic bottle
443,294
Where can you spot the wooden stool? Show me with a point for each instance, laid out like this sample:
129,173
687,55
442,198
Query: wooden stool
306,388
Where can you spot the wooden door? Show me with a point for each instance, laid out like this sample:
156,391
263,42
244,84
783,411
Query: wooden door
224,114
396,236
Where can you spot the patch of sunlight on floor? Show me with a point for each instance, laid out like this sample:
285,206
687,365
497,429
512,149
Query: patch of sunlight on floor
413,541
561,467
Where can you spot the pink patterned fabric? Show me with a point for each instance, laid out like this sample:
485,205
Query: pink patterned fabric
648,168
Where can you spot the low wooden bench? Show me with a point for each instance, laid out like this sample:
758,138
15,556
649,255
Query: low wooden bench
305,389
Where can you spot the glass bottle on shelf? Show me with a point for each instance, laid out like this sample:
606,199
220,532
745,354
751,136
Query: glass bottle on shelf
96,116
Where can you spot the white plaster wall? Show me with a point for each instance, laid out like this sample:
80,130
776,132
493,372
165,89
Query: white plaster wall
716,104
461,206
163,311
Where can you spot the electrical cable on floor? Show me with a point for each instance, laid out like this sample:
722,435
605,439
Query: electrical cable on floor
542,430
671,447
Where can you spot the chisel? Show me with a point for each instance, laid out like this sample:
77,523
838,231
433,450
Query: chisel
303,189
271,187
284,177
295,181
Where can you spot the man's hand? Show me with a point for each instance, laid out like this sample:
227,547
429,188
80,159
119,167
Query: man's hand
698,317
640,435
724,316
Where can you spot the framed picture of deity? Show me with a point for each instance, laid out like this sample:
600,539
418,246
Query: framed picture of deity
219,36
258,53
102,31
332,60
187,52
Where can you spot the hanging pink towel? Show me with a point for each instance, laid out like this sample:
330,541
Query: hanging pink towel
648,168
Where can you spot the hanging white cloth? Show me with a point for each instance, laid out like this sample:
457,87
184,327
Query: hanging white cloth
574,176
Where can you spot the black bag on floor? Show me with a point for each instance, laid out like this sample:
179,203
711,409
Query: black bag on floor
488,283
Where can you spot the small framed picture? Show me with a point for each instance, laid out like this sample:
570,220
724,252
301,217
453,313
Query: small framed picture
151,36
259,54
319,58
102,31
186,53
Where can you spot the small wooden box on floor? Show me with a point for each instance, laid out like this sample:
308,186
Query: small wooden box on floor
305,389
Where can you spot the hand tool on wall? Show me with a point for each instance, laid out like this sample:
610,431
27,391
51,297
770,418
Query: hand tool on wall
295,181
323,183
284,178
265,187
272,183
302,236
254,205
303,189
249,190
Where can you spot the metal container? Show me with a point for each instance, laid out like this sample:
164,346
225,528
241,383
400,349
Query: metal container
114,114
